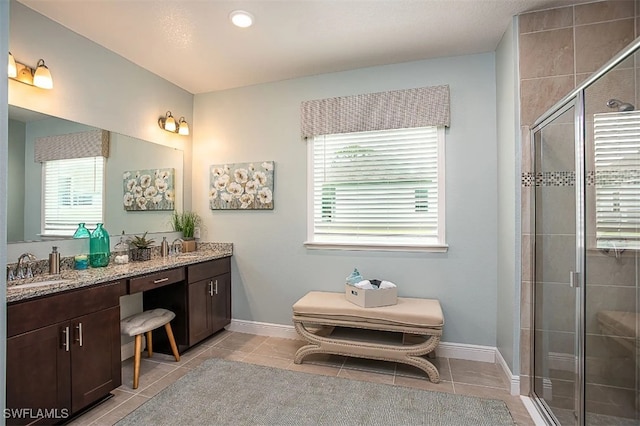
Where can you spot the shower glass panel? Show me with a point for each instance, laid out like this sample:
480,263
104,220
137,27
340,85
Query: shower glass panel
555,258
612,230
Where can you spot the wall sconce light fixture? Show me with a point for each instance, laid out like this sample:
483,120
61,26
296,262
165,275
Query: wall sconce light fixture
169,124
39,77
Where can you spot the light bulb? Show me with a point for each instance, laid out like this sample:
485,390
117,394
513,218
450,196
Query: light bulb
241,19
183,128
170,123
13,68
42,76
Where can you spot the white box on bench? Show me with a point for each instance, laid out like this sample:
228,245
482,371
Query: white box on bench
371,298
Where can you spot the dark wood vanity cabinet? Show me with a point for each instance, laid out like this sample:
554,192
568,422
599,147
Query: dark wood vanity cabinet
63,353
202,304
209,294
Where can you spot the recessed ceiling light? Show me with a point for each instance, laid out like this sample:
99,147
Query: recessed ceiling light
241,18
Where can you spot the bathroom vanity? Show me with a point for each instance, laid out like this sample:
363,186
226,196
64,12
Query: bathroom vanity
63,339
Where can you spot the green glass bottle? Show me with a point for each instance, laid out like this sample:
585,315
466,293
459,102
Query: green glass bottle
82,232
99,247
82,258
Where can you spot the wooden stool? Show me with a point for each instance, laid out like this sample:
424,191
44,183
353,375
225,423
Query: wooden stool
144,323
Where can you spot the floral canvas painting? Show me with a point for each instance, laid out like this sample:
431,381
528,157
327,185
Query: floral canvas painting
242,186
149,189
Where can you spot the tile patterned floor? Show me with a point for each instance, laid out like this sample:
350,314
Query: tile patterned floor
457,376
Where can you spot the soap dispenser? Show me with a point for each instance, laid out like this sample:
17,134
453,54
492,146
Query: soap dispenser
164,247
54,261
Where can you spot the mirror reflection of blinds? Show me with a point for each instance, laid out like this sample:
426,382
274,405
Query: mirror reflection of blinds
617,179
73,194
379,186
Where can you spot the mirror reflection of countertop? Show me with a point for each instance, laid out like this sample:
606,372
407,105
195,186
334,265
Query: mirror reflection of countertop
42,285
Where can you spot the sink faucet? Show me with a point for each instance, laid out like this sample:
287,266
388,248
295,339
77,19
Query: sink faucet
176,250
20,272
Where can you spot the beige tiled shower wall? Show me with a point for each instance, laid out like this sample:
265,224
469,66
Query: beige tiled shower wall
558,49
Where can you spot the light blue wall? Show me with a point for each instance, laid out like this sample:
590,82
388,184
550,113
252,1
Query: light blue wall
15,175
271,267
508,326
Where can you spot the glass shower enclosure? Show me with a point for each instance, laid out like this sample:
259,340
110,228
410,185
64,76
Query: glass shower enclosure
586,292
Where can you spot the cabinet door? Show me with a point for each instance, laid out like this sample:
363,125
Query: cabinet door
38,374
95,356
221,302
200,326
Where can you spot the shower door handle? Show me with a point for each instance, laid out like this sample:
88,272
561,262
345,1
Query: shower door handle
574,279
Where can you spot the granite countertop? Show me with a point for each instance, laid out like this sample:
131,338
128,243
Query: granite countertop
72,279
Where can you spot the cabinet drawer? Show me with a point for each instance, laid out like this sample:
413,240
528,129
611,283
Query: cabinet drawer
33,314
208,269
156,280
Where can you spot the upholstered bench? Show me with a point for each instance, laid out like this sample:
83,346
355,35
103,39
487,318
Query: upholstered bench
333,325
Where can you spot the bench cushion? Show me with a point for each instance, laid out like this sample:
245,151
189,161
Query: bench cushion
145,321
420,313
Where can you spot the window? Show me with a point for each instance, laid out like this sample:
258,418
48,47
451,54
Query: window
617,179
73,193
378,189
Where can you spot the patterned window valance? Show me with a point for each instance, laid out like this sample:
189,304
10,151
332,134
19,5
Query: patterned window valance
399,109
93,143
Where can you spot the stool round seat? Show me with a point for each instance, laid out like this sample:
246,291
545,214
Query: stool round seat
145,321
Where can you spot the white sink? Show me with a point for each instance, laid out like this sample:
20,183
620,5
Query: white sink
37,284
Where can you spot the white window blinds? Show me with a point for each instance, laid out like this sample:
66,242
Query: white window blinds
617,179
73,193
379,187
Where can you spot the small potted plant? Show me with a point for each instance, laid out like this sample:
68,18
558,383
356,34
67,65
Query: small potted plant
186,222
142,247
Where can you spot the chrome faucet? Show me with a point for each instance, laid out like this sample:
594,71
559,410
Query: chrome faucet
173,250
20,272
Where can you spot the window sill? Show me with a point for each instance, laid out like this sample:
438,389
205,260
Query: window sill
435,248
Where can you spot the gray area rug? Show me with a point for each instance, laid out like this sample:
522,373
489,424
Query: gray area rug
220,392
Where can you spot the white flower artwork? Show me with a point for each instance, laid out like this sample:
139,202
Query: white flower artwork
149,190
241,186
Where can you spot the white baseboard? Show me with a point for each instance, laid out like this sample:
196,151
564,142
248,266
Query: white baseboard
514,381
448,350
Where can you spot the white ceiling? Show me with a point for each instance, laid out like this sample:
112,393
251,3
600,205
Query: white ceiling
192,43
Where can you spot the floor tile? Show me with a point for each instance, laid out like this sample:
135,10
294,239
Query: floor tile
477,373
267,361
113,416
373,365
442,364
214,352
279,347
150,372
324,370
366,376
163,382
241,342
100,410
426,384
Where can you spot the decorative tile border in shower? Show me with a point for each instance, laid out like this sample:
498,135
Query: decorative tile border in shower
600,178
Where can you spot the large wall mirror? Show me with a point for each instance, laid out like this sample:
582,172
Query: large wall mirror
24,200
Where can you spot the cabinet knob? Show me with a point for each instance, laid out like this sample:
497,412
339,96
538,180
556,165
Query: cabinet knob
211,288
